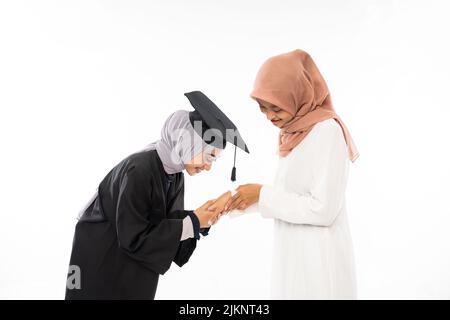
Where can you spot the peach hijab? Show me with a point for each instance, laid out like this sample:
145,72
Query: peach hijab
292,82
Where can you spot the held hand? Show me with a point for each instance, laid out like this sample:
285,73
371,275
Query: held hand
219,205
205,216
246,195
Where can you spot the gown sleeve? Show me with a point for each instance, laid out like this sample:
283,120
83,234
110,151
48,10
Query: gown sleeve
321,203
144,233
176,211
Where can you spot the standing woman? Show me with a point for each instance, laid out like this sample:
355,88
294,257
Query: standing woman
313,255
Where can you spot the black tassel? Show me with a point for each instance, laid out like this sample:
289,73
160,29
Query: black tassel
233,172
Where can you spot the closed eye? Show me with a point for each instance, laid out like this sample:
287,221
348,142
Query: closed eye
211,157
272,108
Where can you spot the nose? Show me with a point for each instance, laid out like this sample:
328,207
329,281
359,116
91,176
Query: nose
270,115
208,166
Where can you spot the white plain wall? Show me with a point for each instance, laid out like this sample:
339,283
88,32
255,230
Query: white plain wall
85,83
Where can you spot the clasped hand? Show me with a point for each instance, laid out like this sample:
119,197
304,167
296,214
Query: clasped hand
211,211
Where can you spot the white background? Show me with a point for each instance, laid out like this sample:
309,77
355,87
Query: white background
85,83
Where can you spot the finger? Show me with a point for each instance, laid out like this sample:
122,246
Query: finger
235,203
236,196
208,203
228,204
216,219
215,209
230,201
214,214
242,206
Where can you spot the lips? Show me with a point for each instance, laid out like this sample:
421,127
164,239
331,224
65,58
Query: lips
275,121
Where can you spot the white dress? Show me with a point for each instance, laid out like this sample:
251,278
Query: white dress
313,254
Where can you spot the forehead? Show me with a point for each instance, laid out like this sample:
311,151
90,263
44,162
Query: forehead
267,104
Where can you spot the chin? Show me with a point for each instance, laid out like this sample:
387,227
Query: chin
278,125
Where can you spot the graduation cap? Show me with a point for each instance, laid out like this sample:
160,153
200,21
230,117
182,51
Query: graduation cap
213,118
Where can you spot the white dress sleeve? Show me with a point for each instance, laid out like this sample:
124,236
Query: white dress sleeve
321,203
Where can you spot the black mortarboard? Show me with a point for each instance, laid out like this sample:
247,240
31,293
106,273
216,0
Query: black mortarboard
213,118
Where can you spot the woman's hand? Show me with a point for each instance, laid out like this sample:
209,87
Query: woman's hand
246,195
219,205
206,217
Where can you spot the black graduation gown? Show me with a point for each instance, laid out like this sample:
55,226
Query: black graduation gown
131,233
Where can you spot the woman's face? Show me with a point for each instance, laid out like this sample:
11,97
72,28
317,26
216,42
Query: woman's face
274,114
202,161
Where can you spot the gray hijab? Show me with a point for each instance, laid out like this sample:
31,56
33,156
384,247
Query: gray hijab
179,142
178,145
